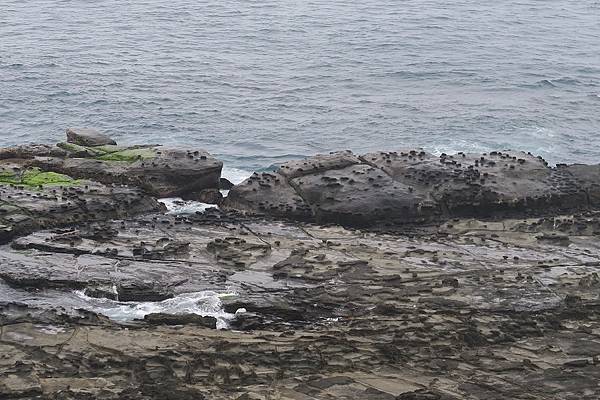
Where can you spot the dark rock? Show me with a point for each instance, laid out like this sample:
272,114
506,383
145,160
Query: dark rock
421,394
88,137
359,195
210,196
159,172
268,193
411,186
181,319
40,200
319,163
588,178
225,184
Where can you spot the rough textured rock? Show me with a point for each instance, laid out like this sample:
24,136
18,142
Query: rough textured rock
31,199
268,193
483,184
88,137
588,179
413,186
455,308
318,163
470,309
360,194
181,319
158,171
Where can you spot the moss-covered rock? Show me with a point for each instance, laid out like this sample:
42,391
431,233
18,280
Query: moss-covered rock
34,177
129,155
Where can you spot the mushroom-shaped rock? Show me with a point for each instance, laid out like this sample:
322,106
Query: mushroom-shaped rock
88,137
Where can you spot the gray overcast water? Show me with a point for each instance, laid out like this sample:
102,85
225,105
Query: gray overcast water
256,82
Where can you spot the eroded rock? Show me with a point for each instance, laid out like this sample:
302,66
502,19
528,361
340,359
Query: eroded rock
88,137
414,186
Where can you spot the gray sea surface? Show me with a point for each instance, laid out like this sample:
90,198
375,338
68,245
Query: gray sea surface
258,82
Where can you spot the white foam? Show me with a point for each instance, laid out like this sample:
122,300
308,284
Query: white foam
177,206
235,175
205,303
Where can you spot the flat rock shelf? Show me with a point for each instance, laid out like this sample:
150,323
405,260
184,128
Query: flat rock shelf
384,276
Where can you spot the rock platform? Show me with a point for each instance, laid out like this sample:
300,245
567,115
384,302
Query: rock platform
414,186
461,297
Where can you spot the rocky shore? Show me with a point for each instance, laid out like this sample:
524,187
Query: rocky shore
391,275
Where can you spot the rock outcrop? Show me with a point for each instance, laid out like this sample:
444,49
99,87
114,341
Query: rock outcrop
31,199
467,309
160,172
104,295
414,186
88,137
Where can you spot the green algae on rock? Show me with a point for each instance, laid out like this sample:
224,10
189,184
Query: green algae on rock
34,177
129,155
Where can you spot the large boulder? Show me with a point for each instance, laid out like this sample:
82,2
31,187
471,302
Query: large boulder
588,179
359,194
88,137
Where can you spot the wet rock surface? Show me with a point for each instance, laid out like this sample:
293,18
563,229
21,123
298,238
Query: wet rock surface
412,186
160,172
470,308
32,200
88,137
478,280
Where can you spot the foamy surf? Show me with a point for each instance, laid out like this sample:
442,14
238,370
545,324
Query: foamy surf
204,303
178,206
235,175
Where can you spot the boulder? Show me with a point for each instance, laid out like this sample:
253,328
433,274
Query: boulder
482,184
358,194
88,137
587,178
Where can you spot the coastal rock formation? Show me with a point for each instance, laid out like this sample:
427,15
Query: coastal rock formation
468,309
104,295
160,172
88,137
413,186
31,199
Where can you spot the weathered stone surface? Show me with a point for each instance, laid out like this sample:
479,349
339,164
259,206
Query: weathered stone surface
268,193
181,319
473,309
459,308
588,179
318,163
360,194
413,186
158,171
29,151
483,184
88,137
31,199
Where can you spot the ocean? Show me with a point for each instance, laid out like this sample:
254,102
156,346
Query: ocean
259,82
